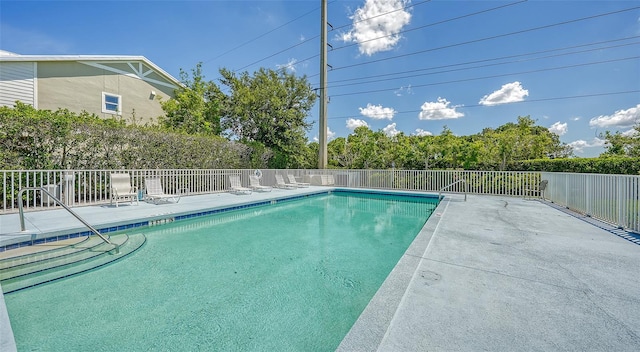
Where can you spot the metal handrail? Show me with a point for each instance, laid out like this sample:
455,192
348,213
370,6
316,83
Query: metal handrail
451,184
23,227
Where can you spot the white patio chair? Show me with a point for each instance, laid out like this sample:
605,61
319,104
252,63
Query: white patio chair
121,188
254,183
281,184
155,192
236,185
292,180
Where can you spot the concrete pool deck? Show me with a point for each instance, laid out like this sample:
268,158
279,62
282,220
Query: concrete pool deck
492,273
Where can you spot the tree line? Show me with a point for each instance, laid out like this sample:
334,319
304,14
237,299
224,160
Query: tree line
259,120
492,149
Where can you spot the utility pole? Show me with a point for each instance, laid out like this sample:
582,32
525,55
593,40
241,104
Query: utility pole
322,126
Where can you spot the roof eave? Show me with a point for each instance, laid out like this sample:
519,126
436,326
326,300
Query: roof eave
100,58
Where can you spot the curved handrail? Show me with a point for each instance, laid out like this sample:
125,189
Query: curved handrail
23,227
451,184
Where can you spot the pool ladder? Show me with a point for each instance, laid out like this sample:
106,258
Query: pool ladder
58,201
452,184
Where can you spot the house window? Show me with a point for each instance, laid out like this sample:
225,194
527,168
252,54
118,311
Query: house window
111,103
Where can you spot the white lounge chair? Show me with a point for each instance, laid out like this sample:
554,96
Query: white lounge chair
121,188
292,180
254,183
281,184
236,185
330,181
155,192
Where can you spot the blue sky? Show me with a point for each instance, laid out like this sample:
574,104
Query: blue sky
398,66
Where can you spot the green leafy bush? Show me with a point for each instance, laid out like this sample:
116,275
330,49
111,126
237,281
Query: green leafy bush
620,165
32,139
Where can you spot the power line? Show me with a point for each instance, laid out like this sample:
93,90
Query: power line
501,58
428,25
515,102
261,36
272,55
488,38
315,37
471,67
434,24
383,14
486,77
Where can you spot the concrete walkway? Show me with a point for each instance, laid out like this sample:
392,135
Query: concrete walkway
506,274
492,273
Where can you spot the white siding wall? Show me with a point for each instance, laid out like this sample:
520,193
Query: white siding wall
17,82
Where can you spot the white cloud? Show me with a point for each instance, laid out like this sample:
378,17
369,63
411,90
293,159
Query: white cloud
352,124
620,118
421,133
330,135
579,145
377,112
439,110
403,90
390,130
577,118
377,25
290,65
630,133
559,128
508,93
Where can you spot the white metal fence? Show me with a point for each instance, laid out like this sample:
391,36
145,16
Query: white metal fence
611,198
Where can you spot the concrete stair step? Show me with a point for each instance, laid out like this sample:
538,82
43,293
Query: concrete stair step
36,254
48,271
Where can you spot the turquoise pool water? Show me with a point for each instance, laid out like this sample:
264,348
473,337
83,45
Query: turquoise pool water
292,276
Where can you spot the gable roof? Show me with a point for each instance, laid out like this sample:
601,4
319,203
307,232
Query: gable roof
134,66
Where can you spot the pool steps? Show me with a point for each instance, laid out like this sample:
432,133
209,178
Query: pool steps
30,264
38,268
38,255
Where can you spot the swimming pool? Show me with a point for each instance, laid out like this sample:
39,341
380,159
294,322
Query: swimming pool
289,276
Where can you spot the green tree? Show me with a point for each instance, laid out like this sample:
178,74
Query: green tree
369,150
448,150
269,107
519,141
471,153
403,151
622,144
312,155
195,108
426,152
339,153
489,150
